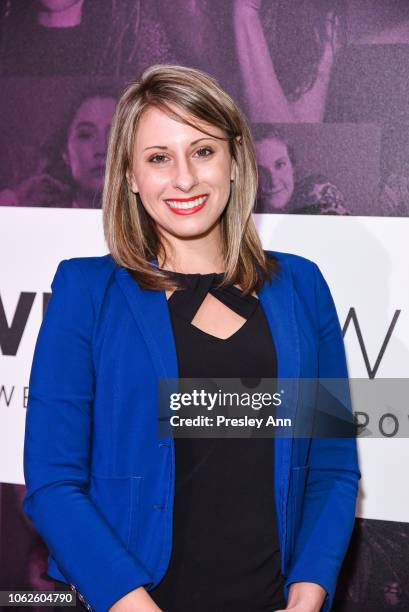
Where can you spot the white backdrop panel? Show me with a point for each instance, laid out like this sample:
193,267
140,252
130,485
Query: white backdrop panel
364,259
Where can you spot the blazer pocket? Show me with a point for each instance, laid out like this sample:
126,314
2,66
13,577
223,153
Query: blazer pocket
118,498
164,476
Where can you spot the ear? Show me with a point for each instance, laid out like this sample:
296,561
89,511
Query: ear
65,157
131,181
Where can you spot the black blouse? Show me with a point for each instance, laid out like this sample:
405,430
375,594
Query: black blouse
225,554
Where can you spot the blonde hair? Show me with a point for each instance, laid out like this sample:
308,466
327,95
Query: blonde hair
129,231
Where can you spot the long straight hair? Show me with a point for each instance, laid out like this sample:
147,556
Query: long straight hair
130,232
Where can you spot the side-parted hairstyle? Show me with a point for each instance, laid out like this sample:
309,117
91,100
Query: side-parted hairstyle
130,232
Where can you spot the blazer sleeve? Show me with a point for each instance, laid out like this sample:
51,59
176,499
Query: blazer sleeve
57,447
332,483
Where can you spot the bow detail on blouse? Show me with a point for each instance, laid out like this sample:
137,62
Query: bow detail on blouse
187,301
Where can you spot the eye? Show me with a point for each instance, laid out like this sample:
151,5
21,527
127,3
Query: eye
158,158
84,134
204,152
280,164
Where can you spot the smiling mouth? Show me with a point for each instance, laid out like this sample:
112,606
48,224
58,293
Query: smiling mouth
187,205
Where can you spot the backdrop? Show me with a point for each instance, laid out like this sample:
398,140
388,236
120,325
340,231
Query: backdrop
325,86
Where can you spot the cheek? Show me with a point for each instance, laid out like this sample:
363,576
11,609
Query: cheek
79,155
152,186
289,180
217,177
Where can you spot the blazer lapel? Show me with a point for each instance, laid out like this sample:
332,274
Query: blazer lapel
151,313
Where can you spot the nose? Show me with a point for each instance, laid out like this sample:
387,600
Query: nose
184,177
100,146
274,178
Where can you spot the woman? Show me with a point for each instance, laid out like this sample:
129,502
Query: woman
286,52
49,37
78,37
71,165
279,190
186,291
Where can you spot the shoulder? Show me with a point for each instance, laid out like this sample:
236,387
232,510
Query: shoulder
303,274
80,276
292,262
94,269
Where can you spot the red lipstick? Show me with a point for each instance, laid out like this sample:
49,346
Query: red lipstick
174,204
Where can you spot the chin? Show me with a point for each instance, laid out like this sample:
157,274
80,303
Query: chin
191,232
190,228
279,205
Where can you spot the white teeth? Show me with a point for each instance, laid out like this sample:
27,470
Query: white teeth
186,205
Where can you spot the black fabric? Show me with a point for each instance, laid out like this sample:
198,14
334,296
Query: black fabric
36,50
225,554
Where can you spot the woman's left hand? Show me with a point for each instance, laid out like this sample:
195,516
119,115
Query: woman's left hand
305,597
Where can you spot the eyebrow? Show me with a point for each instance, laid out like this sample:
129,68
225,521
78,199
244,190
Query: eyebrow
163,147
82,124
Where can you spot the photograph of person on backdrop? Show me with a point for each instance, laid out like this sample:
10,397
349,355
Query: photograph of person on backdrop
77,37
71,161
279,189
282,84
185,291
51,37
201,35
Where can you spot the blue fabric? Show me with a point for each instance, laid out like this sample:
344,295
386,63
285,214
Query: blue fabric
100,484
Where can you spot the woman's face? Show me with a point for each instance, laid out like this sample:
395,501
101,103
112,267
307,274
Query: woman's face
276,174
87,143
182,174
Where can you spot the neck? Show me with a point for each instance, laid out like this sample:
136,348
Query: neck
66,18
200,255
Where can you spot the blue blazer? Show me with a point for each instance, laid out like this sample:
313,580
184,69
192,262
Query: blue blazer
100,483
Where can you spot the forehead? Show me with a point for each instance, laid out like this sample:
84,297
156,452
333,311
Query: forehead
95,110
271,148
156,127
